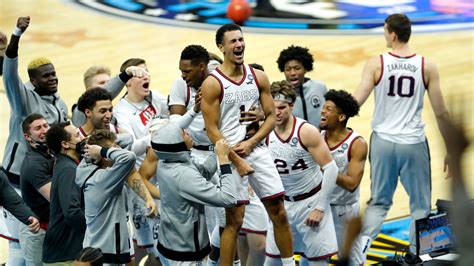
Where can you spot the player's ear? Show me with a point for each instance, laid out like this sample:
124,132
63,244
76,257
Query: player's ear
342,117
221,47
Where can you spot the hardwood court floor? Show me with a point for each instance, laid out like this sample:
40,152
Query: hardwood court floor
75,38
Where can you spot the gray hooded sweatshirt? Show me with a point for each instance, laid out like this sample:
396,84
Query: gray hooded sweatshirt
184,190
105,204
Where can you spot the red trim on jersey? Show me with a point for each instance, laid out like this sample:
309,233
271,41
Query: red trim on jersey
273,196
291,134
82,132
272,255
245,230
321,257
299,138
350,148
381,72
398,56
340,143
222,87
230,80
254,76
9,238
423,72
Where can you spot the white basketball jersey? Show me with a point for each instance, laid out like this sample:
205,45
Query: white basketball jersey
341,153
298,171
235,98
112,128
399,99
182,94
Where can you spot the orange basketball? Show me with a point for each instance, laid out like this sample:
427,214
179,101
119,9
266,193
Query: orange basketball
239,11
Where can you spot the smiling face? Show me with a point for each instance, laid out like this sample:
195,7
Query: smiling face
331,117
139,87
233,47
192,74
101,114
37,131
294,73
44,77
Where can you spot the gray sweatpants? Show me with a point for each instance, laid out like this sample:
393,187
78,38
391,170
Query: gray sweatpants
388,161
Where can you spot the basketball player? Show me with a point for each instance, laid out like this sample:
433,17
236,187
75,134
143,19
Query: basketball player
137,113
398,143
295,62
349,151
39,95
231,88
308,173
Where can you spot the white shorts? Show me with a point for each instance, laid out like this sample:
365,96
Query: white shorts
340,215
255,218
314,243
9,224
186,263
265,181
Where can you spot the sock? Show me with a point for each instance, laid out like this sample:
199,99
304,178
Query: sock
236,262
288,261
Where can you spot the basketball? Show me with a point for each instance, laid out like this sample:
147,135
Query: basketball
239,11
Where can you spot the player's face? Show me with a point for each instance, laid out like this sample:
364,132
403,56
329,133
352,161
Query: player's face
192,74
45,77
101,114
294,73
140,86
233,47
388,36
187,140
37,131
330,115
283,111
99,81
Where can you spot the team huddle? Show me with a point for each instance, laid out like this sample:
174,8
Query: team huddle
229,169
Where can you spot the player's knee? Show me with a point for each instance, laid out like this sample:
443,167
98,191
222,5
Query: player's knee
278,216
234,223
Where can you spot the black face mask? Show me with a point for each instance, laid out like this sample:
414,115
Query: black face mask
42,147
80,146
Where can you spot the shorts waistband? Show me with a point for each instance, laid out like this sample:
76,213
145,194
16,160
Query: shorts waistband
204,147
304,195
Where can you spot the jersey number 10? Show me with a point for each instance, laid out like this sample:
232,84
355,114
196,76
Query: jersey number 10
399,81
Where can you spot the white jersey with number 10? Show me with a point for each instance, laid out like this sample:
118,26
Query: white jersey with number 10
399,99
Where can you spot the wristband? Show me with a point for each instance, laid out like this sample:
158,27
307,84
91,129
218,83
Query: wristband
17,32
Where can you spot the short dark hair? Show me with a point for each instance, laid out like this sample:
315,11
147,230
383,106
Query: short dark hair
401,25
297,53
223,29
283,87
92,255
196,53
131,62
257,66
89,98
57,134
101,137
25,125
344,101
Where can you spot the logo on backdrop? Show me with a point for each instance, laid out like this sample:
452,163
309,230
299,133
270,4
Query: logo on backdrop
299,17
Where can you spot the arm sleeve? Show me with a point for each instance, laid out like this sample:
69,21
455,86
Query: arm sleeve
178,93
184,120
16,91
70,199
139,145
196,188
115,176
12,202
330,171
38,174
116,84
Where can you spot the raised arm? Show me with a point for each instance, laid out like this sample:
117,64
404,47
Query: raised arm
311,138
437,102
15,90
355,169
370,76
210,106
116,84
